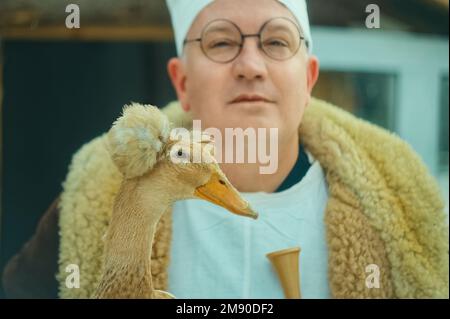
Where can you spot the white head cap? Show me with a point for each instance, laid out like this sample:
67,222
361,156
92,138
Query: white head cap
184,12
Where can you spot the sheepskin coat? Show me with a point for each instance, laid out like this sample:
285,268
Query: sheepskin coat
384,209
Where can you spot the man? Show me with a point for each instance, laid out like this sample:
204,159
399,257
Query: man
356,199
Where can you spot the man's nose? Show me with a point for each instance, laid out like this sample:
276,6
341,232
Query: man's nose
250,64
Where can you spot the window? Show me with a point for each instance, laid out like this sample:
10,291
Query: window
370,96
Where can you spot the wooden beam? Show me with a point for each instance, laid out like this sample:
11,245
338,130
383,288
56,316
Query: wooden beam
90,33
443,4
420,15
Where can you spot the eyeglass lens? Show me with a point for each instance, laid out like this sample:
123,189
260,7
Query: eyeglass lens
222,40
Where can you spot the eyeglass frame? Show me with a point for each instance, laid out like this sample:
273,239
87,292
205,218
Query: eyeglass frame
243,36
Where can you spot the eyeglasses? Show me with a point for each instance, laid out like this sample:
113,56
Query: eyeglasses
222,41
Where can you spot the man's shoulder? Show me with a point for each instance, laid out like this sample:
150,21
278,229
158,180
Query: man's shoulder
355,147
91,159
352,134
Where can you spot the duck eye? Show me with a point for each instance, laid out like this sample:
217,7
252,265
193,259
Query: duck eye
179,155
221,182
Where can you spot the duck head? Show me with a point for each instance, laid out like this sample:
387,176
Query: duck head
141,146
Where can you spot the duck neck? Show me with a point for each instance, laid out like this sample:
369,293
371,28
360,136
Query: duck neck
128,242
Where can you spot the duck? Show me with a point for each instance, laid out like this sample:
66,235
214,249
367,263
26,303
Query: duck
157,170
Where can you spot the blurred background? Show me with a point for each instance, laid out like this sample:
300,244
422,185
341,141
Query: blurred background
60,87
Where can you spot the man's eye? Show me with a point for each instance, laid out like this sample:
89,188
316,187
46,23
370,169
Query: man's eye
277,43
221,44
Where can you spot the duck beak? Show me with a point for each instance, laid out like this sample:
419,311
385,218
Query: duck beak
219,191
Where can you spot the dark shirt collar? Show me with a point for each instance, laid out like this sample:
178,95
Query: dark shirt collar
297,172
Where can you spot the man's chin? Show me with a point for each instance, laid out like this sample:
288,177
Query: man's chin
258,122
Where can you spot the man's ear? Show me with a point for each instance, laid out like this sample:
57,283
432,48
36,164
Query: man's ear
312,74
175,68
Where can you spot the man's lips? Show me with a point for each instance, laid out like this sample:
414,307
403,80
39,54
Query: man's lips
250,98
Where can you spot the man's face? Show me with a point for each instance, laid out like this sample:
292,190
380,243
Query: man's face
207,88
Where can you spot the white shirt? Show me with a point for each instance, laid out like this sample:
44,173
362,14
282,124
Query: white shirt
216,254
